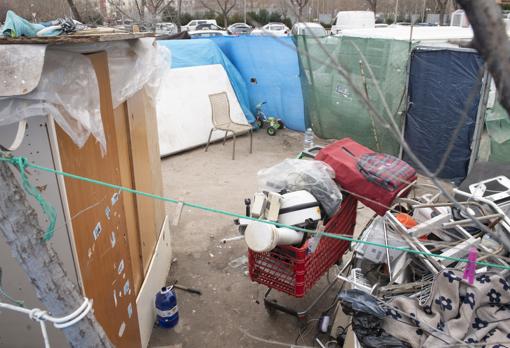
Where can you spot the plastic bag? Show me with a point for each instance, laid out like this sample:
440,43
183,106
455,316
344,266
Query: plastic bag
315,177
135,64
132,64
356,300
367,315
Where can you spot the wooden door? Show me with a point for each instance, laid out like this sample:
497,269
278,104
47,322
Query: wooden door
99,224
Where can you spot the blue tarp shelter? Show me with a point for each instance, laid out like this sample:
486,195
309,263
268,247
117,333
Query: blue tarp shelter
269,67
189,53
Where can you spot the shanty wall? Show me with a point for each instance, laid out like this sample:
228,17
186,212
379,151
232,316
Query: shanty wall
107,240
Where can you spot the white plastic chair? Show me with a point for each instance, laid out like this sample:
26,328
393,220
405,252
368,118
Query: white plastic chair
221,121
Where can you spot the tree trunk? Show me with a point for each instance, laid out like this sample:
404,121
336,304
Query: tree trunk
143,4
76,14
60,296
225,20
491,40
179,12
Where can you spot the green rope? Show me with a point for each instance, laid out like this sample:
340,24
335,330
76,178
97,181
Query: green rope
11,299
14,160
48,210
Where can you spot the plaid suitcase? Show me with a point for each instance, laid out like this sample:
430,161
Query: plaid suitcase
375,179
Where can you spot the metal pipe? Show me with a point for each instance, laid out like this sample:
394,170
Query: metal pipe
387,251
431,264
469,221
504,238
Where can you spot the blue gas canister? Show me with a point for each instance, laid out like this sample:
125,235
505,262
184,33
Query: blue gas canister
166,308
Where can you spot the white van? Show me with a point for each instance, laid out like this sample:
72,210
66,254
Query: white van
353,20
192,25
309,29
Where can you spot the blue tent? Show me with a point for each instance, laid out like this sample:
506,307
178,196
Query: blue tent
188,53
441,83
270,68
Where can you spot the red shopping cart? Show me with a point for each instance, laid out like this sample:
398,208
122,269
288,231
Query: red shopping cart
295,271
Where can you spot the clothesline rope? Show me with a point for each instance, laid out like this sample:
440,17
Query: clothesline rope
22,163
41,316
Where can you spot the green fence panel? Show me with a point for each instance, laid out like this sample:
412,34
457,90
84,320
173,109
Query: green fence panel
498,127
333,108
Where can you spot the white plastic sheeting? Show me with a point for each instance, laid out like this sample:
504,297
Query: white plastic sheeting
184,111
426,34
134,64
67,90
21,68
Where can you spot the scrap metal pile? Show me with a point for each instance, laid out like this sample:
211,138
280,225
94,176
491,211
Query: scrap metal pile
431,296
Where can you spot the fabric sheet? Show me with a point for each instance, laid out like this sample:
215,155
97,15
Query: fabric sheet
441,84
455,311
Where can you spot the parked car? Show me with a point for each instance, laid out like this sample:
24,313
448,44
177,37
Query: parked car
353,20
272,29
209,26
192,25
206,33
240,29
165,28
309,29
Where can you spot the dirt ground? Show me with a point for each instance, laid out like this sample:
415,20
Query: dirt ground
230,303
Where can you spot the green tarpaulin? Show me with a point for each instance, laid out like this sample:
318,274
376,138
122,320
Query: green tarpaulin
333,108
498,127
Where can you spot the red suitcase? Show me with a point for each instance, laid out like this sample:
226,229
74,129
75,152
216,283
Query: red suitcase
375,179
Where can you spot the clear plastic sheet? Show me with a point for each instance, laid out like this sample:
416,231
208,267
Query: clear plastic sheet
134,64
21,68
68,88
315,177
67,91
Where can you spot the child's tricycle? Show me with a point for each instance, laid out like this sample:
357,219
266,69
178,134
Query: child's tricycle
273,123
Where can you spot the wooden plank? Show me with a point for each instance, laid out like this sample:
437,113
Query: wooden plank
126,175
151,121
146,171
74,38
100,230
154,280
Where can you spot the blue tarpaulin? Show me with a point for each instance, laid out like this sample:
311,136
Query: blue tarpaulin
188,53
442,82
269,67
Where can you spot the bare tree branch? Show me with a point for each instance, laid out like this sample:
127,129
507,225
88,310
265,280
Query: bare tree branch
208,7
118,8
373,5
299,5
491,40
441,6
76,14
224,8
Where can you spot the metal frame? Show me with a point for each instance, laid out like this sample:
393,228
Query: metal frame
272,306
